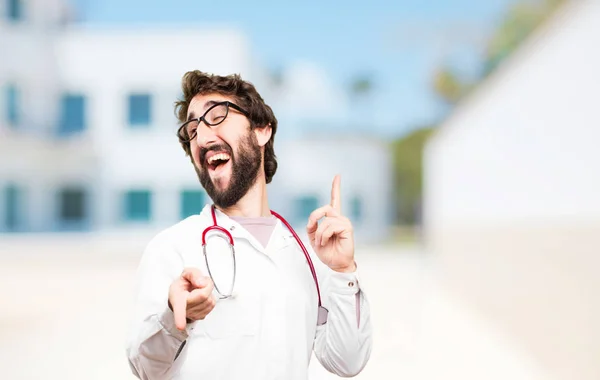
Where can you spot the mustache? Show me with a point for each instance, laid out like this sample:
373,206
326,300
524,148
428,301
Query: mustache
216,147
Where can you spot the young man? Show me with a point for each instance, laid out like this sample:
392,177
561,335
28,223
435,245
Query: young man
199,316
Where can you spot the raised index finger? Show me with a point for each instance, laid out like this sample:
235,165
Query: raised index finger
335,194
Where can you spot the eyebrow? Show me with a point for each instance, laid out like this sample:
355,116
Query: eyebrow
211,103
207,105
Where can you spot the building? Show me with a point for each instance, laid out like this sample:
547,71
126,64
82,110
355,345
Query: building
305,174
87,127
512,210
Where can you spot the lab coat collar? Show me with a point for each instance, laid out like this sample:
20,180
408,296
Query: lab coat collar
237,231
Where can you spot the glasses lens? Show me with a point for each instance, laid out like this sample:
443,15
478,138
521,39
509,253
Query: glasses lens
220,262
217,114
190,130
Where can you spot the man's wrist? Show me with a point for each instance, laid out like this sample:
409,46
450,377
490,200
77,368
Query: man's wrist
347,269
167,321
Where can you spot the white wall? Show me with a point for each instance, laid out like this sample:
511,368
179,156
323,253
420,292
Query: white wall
107,65
526,145
28,61
308,166
41,170
38,14
29,156
511,197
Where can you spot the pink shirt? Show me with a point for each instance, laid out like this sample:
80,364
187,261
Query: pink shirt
261,228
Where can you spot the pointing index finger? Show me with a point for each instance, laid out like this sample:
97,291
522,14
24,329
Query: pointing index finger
335,194
179,304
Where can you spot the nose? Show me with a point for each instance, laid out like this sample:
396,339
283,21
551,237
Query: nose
205,135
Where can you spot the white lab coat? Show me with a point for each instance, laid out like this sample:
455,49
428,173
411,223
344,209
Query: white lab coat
267,331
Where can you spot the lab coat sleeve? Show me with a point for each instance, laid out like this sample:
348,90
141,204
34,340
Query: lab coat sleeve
154,342
343,345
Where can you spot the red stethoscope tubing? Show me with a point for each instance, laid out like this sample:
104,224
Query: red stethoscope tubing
215,226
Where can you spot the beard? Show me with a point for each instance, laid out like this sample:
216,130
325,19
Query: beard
245,165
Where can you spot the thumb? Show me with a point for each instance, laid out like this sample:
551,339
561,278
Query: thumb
194,277
310,231
201,281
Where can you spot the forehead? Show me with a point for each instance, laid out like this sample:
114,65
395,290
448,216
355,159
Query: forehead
202,102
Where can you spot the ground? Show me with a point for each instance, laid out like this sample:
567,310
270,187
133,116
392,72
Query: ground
64,304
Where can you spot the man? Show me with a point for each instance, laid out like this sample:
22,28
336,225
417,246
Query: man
197,316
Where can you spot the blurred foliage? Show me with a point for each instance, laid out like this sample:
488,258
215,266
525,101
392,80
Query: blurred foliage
408,169
448,85
276,77
361,85
521,19
360,88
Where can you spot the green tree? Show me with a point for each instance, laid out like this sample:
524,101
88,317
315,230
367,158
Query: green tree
360,91
519,22
361,85
448,85
408,168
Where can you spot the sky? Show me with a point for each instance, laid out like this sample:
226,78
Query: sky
397,43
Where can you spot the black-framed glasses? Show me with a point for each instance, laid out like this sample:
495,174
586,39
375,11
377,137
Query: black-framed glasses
215,115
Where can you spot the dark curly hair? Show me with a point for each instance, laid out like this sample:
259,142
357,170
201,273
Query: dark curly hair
243,93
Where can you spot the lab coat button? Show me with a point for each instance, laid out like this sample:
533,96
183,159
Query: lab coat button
351,284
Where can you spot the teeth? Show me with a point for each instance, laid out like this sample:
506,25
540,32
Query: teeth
218,156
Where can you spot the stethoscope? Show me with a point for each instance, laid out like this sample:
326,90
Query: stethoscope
322,314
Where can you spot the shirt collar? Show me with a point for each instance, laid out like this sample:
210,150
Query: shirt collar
237,231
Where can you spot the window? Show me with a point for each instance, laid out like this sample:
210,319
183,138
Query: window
72,114
137,205
12,105
304,206
14,10
12,203
139,109
356,209
192,202
72,205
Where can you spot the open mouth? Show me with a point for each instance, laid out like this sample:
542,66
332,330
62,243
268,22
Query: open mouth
217,160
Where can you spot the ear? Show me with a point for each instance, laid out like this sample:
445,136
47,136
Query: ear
263,135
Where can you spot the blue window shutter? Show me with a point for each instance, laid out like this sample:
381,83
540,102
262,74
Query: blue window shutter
12,203
140,106
137,205
14,10
72,205
13,111
192,202
304,206
356,208
73,110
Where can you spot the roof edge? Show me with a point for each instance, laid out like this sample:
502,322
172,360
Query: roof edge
518,57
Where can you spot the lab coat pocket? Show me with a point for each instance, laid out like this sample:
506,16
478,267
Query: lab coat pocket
232,317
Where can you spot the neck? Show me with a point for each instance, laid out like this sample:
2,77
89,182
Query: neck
252,205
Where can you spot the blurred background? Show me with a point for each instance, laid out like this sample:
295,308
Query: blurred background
466,134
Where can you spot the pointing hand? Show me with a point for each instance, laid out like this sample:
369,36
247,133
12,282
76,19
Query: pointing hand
190,297
332,239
